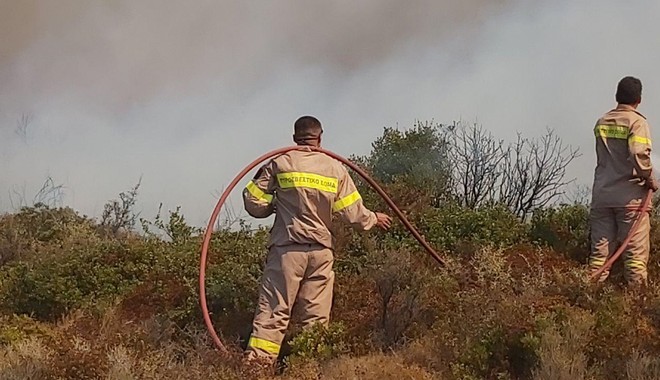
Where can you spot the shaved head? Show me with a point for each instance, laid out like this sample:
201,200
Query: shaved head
307,128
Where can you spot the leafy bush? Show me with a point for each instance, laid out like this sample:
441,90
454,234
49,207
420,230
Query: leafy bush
319,342
145,272
565,229
49,287
33,230
451,227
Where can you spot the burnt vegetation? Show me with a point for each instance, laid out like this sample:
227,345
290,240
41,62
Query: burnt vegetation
82,298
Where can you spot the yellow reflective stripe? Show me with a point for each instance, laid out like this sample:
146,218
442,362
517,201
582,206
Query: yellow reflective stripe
596,261
308,180
635,264
346,201
612,131
263,344
258,193
640,140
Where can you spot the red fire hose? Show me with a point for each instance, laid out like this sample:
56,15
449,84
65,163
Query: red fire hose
608,264
239,177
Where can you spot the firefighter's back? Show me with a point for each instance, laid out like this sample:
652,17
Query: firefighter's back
615,181
306,187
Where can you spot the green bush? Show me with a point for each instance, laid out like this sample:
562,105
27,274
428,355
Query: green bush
164,275
452,226
49,287
565,229
42,230
320,342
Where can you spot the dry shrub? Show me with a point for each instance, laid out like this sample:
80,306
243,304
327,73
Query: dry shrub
491,268
78,358
26,360
562,353
481,322
643,367
121,363
400,283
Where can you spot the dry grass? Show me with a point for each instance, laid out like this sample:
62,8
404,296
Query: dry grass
369,367
26,360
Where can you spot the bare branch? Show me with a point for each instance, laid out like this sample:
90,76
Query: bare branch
118,214
476,159
22,125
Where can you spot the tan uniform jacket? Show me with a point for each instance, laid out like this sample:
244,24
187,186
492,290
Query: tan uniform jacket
623,151
305,188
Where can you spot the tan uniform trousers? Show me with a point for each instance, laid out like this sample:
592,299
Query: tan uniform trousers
294,273
609,227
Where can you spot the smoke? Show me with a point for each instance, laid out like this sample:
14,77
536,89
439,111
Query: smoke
129,52
184,93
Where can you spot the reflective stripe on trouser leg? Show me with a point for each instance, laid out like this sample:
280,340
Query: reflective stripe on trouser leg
603,239
636,255
270,348
285,268
315,295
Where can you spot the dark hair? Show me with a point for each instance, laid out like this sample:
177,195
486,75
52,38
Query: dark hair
629,91
306,128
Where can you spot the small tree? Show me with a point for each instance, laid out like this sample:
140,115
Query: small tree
413,163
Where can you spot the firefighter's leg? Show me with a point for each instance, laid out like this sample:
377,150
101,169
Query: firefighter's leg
636,255
285,268
603,239
315,296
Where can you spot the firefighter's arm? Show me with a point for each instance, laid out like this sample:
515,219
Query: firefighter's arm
349,206
258,195
639,143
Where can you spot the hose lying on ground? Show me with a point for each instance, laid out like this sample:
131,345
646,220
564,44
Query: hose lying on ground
608,264
214,216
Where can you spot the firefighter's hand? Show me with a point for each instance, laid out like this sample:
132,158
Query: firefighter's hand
383,221
652,183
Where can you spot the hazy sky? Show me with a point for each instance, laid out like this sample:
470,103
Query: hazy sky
185,93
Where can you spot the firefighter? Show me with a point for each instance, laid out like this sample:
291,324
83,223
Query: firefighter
304,189
622,178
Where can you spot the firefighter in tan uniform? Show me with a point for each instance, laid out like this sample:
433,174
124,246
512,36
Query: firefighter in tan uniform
304,189
622,178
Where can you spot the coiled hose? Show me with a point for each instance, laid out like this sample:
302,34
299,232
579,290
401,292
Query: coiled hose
214,216
608,264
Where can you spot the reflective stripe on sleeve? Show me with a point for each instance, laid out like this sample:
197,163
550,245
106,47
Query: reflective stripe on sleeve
640,140
612,131
346,201
308,180
263,344
258,193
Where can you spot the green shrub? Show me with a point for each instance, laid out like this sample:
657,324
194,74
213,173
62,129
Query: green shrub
320,342
565,229
452,226
42,230
49,287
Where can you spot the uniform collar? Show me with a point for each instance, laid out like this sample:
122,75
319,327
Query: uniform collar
305,147
626,107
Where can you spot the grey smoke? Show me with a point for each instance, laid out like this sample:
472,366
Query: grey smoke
120,89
